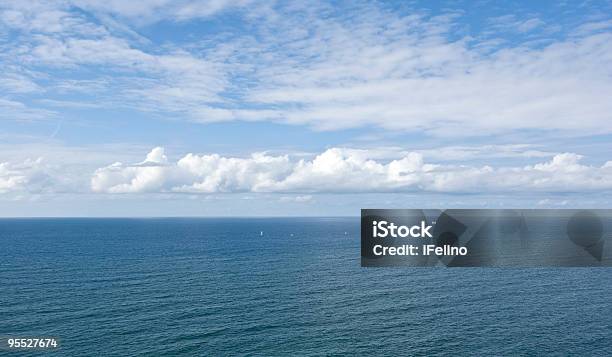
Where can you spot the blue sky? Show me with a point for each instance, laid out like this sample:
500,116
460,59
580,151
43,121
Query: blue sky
165,108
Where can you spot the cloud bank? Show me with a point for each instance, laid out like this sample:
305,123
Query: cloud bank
336,170
341,170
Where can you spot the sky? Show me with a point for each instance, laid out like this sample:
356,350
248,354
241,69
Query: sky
268,108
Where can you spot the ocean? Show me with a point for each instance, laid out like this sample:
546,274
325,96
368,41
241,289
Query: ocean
278,286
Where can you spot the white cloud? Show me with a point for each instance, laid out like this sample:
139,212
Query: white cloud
125,73
404,73
45,17
513,24
27,176
53,16
155,10
368,66
156,156
147,176
345,170
458,153
10,179
297,199
336,170
590,27
552,203
15,110
18,83
529,25
464,152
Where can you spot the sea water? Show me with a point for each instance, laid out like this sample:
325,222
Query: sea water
278,286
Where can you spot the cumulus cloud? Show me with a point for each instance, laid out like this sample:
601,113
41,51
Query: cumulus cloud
345,170
27,176
10,179
148,176
298,178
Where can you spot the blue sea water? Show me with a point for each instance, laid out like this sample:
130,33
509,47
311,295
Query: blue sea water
141,287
